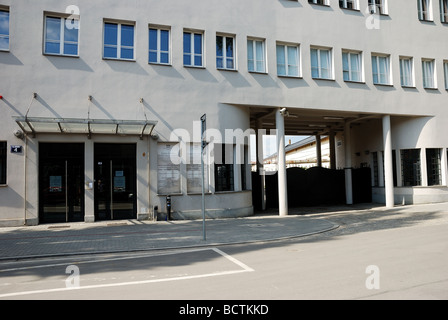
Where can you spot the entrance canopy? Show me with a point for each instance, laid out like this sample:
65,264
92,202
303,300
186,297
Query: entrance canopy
86,126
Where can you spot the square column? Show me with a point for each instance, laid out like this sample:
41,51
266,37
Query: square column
348,165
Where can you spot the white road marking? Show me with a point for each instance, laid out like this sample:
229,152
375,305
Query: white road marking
244,269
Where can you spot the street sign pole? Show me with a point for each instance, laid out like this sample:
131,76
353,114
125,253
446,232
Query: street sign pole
203,145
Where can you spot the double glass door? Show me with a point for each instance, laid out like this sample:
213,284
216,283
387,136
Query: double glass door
61,182
115,182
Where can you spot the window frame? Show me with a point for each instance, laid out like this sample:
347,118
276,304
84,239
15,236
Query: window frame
225,58
287,66
389,69
444,11
411,166
432,77
192,53
221,160
382,5
119,44
8,35
62,29
422,14
319,61
344,4
350,71
158,51
320,2
253,48
411,77
434,166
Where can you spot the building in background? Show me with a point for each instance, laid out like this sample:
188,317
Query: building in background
101,101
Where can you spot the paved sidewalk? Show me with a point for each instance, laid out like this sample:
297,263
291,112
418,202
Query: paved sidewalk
132,235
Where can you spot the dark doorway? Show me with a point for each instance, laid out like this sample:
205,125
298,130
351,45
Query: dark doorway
115,181
61,182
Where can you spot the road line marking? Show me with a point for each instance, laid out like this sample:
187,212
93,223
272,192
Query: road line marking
244,267
225,255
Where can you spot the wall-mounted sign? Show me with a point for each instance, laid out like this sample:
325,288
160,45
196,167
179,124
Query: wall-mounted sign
16,149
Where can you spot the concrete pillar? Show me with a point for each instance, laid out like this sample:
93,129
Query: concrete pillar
388,163
318,151
332,150
260,163
282,182
348,165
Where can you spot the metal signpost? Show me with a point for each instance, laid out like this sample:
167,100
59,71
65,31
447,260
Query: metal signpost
203,145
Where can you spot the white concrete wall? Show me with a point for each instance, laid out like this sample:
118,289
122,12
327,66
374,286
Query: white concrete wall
176,96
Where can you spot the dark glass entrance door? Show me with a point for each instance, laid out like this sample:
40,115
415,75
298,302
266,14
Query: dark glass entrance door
115,182
61,182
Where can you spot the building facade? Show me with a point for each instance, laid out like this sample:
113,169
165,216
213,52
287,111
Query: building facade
102,101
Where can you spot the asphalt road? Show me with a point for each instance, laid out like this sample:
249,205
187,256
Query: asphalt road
390,258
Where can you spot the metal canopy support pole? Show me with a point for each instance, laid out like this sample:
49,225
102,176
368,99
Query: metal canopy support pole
388,163
282,182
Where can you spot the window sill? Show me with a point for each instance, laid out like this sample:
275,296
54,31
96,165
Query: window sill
384,85
224,69
119,59
258,72
194,67
432,89
289,77
325,79
3,185
358,82
160,64
409,87
4,50
351,9
319,4
61,55
208,193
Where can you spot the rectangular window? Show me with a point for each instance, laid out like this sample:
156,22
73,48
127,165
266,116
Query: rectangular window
4,30
381,69
444,11
349,4
119,41
322,2
321,64
225,52
2,162
378,6
256,56
407,72
168,175
224,175
434,166
193,49
445,68
352,66
411,167
61,36
424,10
429,72
159,46
288,58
